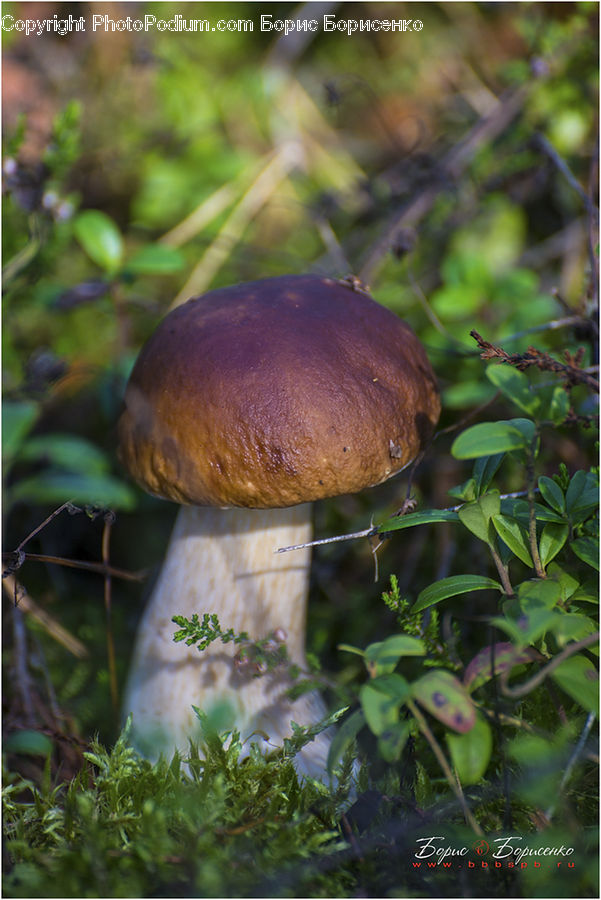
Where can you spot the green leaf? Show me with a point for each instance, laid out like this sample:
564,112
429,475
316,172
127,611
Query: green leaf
425,517
344,735
471,751
392,741
58,487
485,468
515,536
552,539
530,628
520,509
100,238
155,259
66,451
568,585
28,742
506,657
489,438
558,407
466,491
552,494
587,549
445,698
539,592
17,420
393,685
382,656
516,387
381,711
572,627
582,495
477,516
348,648
578,677
451,587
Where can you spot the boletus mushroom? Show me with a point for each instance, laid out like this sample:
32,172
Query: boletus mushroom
244,406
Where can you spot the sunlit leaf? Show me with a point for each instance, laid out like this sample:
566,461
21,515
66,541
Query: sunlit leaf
488,438
552,539
100,238
450,587
383,656
552,494
155,259
477,516
424,517
515,536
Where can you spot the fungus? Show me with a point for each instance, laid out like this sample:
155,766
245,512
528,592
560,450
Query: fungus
244,406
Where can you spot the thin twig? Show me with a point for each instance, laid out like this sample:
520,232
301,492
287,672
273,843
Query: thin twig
571,370
375,530
15,560
110,643
530,478
21,656
527,686
48,623
68,505
542,143
576,754
454,784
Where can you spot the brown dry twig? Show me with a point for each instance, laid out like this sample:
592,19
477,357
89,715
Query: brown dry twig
571,371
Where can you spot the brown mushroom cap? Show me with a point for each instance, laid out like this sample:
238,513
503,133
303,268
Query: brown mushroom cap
276,392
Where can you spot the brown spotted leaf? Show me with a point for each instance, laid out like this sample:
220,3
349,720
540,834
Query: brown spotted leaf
505,655
445,698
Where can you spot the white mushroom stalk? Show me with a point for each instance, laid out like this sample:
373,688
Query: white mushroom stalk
245,405
223,561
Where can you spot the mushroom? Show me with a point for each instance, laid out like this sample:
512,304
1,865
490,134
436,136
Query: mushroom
244,406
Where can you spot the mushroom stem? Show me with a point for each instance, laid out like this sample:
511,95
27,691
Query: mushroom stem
223,561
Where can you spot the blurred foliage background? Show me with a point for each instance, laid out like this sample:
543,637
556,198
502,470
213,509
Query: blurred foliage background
454,169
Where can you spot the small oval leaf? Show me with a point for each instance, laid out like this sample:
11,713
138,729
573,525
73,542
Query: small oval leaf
471,751
445,698
552,494
488,438
516,387
381,711
515,536
100,238
552,539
